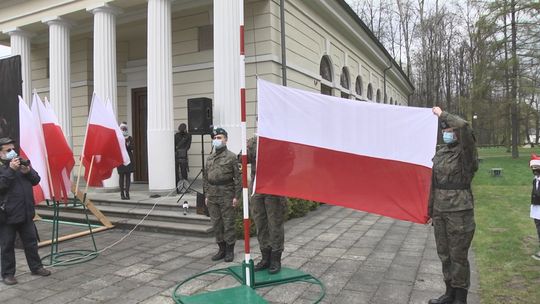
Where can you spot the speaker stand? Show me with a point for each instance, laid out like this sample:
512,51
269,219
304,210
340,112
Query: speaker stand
185,190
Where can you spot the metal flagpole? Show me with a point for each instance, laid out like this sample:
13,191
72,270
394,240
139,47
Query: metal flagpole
247,265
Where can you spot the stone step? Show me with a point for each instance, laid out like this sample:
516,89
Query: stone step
138,200
190,224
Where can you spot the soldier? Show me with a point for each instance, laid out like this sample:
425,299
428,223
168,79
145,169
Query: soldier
268,212
223,187
451,204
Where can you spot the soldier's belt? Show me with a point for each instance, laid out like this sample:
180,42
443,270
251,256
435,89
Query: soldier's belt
221,183
452,186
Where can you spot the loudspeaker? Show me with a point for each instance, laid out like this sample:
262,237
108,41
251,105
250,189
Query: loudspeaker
200,115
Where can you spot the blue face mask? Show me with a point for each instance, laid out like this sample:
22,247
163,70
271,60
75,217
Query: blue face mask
217,143
11,155
448,137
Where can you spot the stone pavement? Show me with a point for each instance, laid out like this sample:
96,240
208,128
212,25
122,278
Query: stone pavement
360,258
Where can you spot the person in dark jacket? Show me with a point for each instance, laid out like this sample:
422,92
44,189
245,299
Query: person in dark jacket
124,172
182,143
451,204
17,204
535,197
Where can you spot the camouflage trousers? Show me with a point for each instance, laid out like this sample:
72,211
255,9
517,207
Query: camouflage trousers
454,232
268,213
222,215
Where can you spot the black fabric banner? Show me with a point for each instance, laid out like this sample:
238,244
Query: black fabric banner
10,88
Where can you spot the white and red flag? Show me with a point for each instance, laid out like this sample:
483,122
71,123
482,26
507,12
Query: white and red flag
59,153
33,148
366,156
104,142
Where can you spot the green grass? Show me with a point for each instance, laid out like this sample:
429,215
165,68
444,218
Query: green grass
505,234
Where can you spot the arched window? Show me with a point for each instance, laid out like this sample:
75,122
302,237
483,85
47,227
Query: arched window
358,86
326,74
369,92
378,96
345,82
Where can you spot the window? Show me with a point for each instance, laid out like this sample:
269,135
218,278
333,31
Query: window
369,92
326,74
391,101
358,86
206,37
378,96
344,81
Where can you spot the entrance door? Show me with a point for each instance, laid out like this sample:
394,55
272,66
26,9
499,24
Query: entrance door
139,119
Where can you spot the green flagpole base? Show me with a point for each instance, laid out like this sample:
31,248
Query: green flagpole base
248,267
244,294
69,257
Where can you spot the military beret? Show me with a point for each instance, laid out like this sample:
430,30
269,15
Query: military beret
218,131
6,141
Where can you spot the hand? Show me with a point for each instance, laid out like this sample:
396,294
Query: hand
15,164
437,111
429,222
206,201
234,202
24,169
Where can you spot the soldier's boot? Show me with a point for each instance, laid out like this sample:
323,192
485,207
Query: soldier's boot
447,297
461,296
221,252
229,252
265,259
275,262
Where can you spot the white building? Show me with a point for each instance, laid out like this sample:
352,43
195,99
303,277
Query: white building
150,56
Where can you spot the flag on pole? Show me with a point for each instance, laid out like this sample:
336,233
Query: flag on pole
366,156
104,142
33,148
59,153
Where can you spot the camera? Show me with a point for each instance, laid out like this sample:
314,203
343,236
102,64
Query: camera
24,162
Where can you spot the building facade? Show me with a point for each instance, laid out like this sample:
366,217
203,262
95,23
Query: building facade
148,57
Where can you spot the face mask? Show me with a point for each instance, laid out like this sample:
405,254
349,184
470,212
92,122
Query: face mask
536,172
448,137
125,133
217,143
11,155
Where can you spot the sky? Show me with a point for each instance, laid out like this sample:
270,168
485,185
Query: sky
4,51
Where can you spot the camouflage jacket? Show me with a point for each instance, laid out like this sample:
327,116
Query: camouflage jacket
454,166
222,174
252,155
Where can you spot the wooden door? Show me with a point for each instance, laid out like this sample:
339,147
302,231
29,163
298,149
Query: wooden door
139,118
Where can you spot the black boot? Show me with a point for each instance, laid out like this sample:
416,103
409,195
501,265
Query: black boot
447,297
229,252
221,253
127,194
265,259
275,262
122,196
461,296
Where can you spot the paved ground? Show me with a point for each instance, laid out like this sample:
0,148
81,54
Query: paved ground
360,257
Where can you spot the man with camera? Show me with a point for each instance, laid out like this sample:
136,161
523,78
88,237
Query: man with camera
17,212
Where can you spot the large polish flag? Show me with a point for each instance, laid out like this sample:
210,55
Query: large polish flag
104,142
366,156
59,153
33,148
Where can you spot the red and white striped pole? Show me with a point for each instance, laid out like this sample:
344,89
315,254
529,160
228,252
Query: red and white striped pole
248,263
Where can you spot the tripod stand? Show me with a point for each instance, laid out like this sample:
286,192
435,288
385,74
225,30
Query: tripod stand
187,189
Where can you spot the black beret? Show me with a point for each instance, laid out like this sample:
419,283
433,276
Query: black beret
6,141
218,131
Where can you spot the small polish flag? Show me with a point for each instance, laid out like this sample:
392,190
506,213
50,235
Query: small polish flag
366,156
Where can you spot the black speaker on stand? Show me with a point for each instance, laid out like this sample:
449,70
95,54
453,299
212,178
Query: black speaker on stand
199,123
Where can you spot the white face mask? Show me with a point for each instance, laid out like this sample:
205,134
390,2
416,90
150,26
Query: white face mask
217,143
125,133
11,155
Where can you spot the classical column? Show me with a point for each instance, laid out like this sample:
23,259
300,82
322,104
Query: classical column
105,82
60,72
20,45
160,99
227,70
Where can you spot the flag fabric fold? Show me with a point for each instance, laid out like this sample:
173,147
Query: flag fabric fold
366,156
59,153
103,142
32,147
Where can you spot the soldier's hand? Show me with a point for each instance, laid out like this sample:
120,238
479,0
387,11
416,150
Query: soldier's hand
437,111
206,201
24,169
429,222
234,202
15,164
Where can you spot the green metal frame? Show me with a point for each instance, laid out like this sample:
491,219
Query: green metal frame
78,256
243,293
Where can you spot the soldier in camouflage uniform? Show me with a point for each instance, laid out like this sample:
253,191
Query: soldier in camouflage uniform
223,187
268,213
451,204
